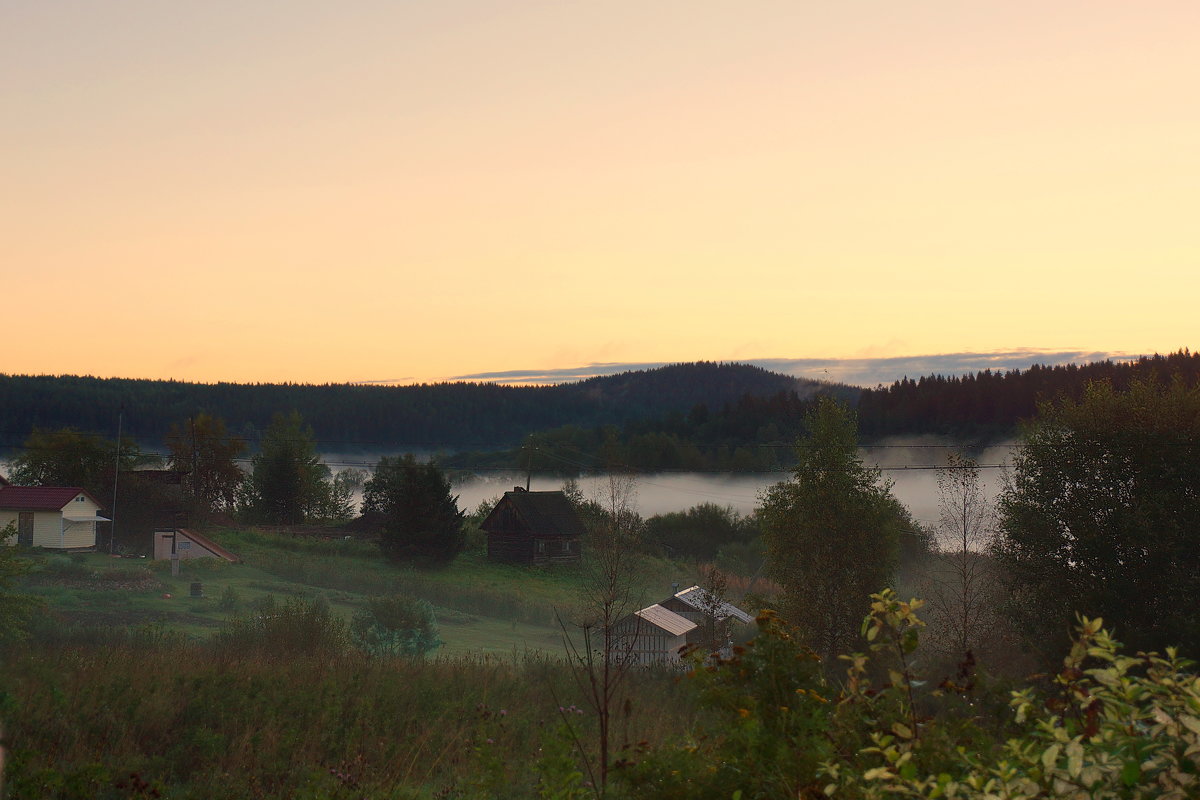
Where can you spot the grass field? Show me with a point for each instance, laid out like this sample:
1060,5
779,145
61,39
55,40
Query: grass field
120,692
481,607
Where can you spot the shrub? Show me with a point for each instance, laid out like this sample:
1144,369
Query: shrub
64,566
297,627
396,625
1111,726
230,600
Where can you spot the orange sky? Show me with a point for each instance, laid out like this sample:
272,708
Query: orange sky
304,191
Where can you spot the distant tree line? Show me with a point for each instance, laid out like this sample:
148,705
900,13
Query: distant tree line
756,433
988,405
457,416
710,417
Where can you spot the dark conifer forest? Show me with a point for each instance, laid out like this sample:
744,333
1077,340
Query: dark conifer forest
688,416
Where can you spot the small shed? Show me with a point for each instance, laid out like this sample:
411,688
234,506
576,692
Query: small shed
54,517
697,604
652,636
182,543
534,528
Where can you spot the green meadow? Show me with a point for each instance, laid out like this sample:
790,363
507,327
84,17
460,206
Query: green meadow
124,691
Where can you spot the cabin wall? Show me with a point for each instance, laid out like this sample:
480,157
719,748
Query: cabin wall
510,548
509,541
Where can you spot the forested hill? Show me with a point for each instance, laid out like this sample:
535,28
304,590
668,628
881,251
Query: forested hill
756,432
988,405
701,415
443,416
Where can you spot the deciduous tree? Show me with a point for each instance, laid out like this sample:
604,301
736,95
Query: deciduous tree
831,531
1102,516
203,450
962,595
70,457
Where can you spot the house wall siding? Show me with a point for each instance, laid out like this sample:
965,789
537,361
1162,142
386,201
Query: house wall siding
48,530
51,530
79,534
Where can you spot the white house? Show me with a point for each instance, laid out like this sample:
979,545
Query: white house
54,517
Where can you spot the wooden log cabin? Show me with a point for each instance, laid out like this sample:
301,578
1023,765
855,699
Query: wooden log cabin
534,528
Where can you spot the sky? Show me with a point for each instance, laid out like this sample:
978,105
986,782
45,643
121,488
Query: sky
264,191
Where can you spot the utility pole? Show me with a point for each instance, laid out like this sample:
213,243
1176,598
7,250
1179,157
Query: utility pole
112,533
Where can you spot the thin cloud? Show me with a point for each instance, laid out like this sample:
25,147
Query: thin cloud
853,371
382,382
564,375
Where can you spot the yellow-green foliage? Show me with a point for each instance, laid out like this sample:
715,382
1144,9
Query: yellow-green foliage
1113,726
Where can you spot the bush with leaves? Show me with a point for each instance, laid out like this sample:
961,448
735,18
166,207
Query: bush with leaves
1109,726
16,608
397,625
767,732
298,627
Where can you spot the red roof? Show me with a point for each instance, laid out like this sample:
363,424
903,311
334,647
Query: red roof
210,545
39,498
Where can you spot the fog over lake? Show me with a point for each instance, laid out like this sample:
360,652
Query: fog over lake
906,464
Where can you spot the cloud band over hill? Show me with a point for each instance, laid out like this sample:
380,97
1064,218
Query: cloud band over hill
854,371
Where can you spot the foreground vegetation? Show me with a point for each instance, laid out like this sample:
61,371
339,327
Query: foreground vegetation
154,715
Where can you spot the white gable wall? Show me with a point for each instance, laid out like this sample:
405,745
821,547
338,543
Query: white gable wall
52,530
77,534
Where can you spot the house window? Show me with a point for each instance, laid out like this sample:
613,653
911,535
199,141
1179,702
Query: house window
566,547
541,546
79,499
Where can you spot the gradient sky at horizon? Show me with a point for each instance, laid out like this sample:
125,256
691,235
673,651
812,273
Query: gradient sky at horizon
313,192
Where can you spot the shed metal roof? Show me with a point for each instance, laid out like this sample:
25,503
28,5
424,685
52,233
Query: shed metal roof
666,620
696,597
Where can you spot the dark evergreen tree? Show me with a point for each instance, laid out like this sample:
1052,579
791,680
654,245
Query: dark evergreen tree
288,480
418,516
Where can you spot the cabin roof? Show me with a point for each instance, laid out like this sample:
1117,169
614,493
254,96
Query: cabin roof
665,620
696,598
40,498
544,512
